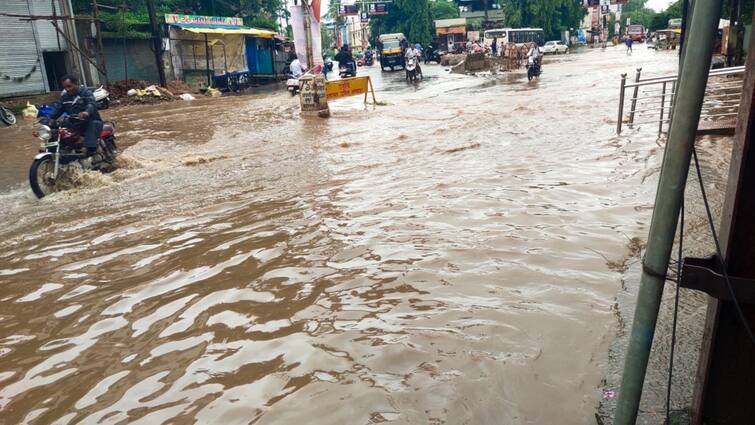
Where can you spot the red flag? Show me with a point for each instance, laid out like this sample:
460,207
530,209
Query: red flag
315,6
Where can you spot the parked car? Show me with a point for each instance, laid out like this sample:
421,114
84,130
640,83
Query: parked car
555,47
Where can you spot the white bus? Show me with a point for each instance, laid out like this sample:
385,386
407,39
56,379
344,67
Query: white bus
514,35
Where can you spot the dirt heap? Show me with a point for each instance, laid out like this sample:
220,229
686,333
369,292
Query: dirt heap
179,87
119,93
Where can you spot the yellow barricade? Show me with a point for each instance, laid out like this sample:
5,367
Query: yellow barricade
349,87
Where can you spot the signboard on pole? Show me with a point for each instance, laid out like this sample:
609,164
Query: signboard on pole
605,9
378,9
348,10
364,17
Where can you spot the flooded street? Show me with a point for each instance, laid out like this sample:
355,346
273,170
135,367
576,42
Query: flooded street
450,257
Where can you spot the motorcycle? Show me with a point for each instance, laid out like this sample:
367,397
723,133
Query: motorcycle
533,69
413,71
433,55
350,70
7,116
327,67
60,150
369,58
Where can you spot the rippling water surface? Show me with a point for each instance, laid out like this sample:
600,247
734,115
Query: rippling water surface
441,259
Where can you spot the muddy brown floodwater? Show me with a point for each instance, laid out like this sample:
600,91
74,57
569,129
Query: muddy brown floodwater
440,259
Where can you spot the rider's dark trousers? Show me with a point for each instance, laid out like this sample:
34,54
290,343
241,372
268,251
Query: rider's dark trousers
91,133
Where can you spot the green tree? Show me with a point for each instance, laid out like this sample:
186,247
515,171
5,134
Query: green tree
552,16
443,9
410,17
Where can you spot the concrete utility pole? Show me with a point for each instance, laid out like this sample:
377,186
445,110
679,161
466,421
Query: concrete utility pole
308,32
157,41
693,79
723,391
100,49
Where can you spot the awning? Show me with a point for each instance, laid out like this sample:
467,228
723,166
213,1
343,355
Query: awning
227,30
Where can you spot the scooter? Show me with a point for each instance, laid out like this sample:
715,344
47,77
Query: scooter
293,86
102,98
350,70
433,55
413,71
533,68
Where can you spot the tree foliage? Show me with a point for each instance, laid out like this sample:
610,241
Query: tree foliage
410,17
552,16
442,9
257,13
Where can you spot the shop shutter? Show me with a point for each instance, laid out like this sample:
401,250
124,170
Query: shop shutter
18,53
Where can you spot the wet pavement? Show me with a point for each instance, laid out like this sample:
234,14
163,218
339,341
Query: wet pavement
449,257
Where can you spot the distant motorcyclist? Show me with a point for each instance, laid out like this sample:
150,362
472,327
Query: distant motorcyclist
78,102
536,54
344,57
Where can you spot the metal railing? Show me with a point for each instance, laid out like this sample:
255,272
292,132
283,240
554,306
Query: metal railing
652,100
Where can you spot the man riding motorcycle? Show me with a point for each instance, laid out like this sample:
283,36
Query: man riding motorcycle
536,54
78,102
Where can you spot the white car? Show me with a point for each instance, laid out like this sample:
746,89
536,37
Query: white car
555,47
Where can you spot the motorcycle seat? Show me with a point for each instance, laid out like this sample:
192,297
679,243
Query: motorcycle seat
107,130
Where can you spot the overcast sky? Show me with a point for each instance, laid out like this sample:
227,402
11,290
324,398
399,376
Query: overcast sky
659,5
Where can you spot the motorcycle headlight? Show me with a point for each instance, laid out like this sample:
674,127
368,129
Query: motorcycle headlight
43,132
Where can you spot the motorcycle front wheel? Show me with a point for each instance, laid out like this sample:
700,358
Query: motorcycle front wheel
530,73
7,116
41,183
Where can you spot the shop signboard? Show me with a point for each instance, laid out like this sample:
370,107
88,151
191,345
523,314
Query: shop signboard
198,20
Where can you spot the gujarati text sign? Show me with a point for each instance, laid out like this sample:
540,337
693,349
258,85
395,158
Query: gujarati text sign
202,20
346,87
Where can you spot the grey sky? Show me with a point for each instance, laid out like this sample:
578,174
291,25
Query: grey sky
658,5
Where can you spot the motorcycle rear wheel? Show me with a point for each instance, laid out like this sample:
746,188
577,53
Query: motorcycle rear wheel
40,183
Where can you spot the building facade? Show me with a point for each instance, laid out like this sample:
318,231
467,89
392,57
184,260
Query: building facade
33,54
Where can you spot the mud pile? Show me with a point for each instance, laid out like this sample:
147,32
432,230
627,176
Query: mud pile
119,93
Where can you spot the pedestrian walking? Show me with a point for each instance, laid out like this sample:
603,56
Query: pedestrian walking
629,42
494,47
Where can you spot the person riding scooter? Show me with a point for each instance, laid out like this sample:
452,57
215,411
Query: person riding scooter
346,60
413,53
344,57
78,102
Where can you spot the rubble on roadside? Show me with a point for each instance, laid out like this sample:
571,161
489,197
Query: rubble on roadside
132,92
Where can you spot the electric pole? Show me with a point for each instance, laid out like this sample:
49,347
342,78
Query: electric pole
157,42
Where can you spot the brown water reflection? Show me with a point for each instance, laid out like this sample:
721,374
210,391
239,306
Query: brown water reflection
436,260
